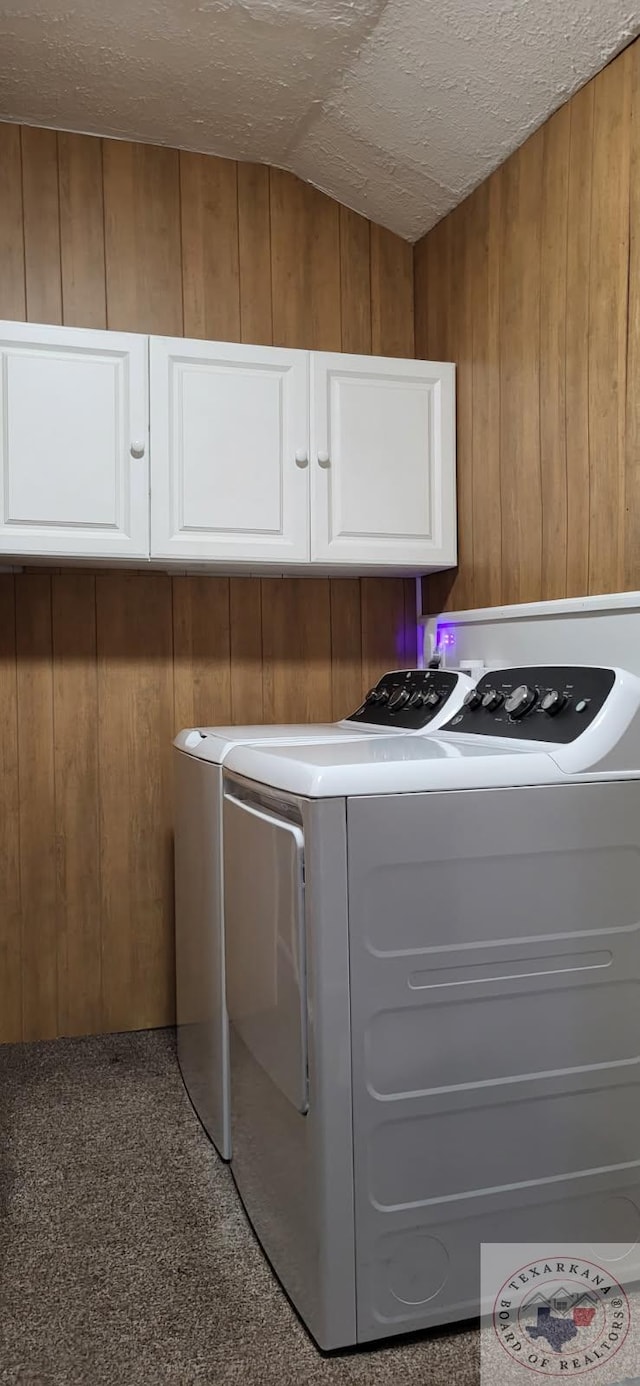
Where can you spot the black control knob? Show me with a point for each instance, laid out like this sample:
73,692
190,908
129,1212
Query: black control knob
372,696
472,699
434,698
492,699
417,698
383,695
520,701
398,699
553,702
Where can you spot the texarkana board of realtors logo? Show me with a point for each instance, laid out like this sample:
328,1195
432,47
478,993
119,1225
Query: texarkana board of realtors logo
560,1316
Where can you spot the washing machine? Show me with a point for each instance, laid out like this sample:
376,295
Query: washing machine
433,984
404,702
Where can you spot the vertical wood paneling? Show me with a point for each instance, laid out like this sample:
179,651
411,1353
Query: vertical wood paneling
201,651
210,267
485,352
296,649
305,265
460,594
410,623
12,282
423,286
84,290
142,238
609,257
37,808
549,486
577,341
553,300
10,933
245,625
555,326
433,342
520,374
41,225
391,294
135,729
279,261
346,646
355,282
384,636
437,314
109,665
631,575
254,237
77,796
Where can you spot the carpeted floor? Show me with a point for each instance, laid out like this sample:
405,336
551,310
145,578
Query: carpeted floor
125,1256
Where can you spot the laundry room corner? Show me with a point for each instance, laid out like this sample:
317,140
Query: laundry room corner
320,693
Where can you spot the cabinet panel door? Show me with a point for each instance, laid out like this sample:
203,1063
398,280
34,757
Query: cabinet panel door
227,423
73,442
382,461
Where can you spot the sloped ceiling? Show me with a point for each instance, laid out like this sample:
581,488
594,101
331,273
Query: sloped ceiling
396,107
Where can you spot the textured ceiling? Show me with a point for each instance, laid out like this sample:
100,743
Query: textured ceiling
396,107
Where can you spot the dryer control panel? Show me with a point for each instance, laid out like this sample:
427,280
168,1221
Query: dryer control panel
407,698
535,703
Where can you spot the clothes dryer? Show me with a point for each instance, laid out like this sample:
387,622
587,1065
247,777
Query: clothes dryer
433,972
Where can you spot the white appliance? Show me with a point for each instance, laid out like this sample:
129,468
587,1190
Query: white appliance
576,630
433,982
404,701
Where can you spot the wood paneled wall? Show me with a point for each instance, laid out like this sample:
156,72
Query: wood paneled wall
532,286
99,670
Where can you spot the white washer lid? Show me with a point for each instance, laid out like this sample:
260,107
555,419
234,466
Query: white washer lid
215,743
392,765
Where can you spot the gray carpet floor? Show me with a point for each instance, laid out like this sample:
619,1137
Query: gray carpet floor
125,1255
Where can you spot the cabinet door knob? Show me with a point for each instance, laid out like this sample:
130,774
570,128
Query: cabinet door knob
137,447
323,459
302,457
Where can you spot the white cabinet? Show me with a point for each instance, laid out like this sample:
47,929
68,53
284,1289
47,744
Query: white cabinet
73,443
269,456
229,452
118,446
382,462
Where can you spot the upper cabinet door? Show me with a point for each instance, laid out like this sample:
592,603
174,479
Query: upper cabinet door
73,442
382,462
230,440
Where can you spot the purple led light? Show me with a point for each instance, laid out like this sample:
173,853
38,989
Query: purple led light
445,637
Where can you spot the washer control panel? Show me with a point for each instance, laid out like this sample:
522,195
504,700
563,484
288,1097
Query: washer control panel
536,703
407,698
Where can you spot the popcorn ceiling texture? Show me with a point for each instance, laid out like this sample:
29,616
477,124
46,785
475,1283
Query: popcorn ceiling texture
396,107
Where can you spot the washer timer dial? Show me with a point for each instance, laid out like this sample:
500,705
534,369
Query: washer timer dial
520,701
